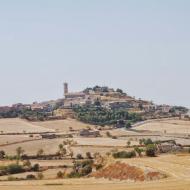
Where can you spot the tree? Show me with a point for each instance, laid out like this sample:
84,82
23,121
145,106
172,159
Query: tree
119,91
148,141
19,152
36,167
151,150
128,125
139,151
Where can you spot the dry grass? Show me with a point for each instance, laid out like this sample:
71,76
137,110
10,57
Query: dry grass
20,126
170,126
7,139
63,125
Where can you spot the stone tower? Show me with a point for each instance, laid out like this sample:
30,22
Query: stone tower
65,88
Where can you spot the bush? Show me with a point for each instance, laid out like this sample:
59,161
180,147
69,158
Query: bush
147,141
73,174
114,137
14,169
99,166
30,177
60,174
139,151
128,125
79,156
86,170
124,154
151,150
81,168
2,154
36,167
88,155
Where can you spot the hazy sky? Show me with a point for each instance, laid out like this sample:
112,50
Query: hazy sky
141,46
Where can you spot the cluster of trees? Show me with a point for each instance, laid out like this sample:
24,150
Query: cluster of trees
180,109
101,116
24,114
151,147
102,89
81,168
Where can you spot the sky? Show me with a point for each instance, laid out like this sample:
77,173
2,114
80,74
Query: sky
140,46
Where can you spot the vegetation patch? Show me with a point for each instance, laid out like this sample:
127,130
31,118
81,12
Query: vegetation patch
98,115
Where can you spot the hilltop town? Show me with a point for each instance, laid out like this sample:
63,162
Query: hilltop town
104,97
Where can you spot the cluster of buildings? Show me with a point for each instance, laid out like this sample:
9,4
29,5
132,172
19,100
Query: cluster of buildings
107,98
117,99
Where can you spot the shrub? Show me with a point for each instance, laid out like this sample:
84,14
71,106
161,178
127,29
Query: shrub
99,166
2,154
79,156
81,168
14,169
128,125
86,170
74,174
148,141
30,177
60,174
124,154
139,151
36,167
151,150
88,155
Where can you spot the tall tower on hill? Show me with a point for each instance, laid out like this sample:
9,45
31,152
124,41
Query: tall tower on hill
65,85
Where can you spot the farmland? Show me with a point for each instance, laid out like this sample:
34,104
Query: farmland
166,126
20,133
20,126
175,166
